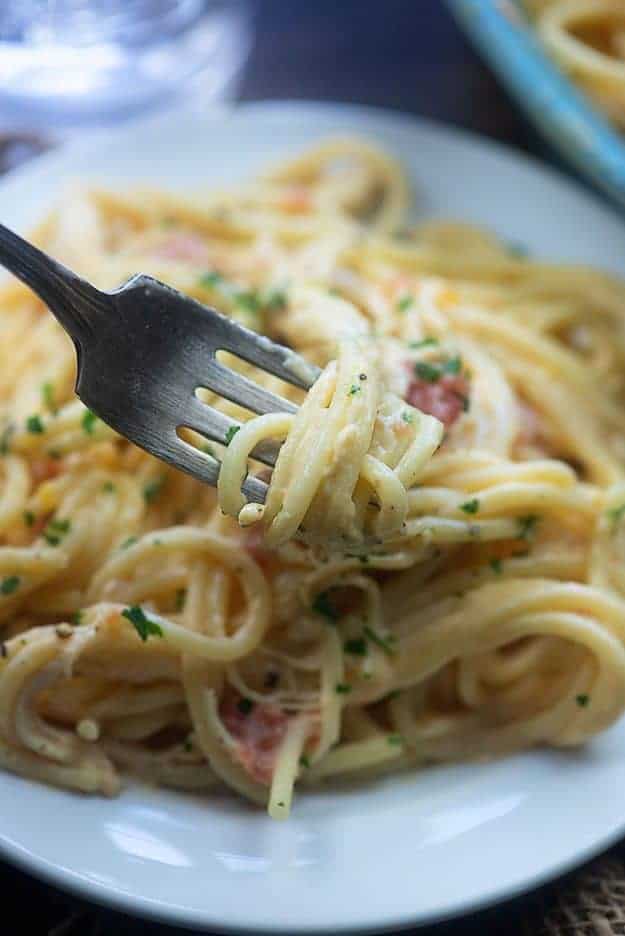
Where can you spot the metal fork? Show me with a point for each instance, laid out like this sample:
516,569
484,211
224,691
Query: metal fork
144,349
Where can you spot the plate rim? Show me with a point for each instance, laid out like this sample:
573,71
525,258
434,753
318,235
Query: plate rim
107,895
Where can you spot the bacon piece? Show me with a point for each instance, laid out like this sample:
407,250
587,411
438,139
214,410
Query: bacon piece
296,200
445,398
258,730
44,469
183,245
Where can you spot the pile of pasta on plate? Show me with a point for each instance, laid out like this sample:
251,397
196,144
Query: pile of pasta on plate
438,570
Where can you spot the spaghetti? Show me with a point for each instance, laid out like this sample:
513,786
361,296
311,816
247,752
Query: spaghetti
439,569
587,39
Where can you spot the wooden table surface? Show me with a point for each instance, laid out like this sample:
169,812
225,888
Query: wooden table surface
404,55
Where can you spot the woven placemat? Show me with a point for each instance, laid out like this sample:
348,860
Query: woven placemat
589,903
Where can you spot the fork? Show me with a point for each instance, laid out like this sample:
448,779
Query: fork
144,349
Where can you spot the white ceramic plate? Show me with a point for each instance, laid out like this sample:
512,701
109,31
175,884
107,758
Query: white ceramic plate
402,850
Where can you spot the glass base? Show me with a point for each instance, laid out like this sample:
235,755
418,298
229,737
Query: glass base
97,62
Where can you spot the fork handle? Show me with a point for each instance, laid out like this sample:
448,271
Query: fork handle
72,300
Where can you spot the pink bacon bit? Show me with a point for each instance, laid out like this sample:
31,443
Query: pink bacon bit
258,729
183,245
297,200
446,398
44,469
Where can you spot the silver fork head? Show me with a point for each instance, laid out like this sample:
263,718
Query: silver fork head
143,356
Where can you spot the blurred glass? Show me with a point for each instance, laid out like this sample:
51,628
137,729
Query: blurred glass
73,63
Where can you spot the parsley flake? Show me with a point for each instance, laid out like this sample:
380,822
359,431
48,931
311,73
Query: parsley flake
304,761
29,518
342,688
404,303
34,425
128,542
496,565
384,643
470,506
322,605
453,365
424,343
615,515
245,706
88,421
56,530
527,526
428,372
407,416
230,434
144,626
5,440
210,279
395,739
108,487
354,389
275,300
582,700
181,598
9,585
152,489
47,395
357,646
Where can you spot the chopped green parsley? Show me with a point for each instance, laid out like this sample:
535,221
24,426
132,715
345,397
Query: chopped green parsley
47,395
384,643
56,530
356,646
582,700
29,518
211,279
342,688
615,515
245,706
128,542
181,598
395,739
527,526
424,343
470,506
432,372
34,425
496,565
153,489
428,372
322,605
407,416
9,585
144,626
230,434
404,303
5,439
88,421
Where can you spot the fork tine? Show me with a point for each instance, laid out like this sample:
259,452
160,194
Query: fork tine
206,469
238,389
274,358
214,425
